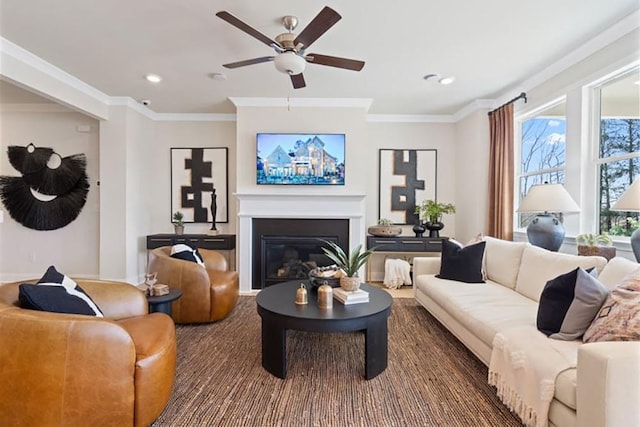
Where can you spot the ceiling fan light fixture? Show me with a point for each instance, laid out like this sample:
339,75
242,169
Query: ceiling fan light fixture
290,63
447,80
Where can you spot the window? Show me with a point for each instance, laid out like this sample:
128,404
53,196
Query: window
541,151
618,156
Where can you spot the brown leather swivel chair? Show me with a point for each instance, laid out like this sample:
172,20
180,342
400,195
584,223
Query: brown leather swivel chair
75,370
208,294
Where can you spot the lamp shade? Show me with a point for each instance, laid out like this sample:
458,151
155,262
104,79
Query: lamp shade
630,202
290,63
630,199
548,198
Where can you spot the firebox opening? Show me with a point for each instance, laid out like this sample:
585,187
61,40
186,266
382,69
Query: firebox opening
287,249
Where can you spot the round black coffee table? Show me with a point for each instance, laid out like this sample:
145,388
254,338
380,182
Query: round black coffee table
162,303
279,312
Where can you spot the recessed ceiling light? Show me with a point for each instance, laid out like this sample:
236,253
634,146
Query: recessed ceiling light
442,80
153,78
447,80
637,83
218,76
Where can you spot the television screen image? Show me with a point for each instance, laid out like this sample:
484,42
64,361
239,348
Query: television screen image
300,159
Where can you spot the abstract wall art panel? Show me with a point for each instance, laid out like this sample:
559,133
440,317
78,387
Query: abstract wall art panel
407,177
199,176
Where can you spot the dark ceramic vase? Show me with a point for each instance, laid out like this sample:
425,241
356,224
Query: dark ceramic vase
434,228
419,228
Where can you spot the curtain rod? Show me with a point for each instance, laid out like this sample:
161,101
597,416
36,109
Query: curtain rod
522,95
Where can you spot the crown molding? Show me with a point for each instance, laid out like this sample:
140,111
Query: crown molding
605,38
194,117
303,102
472,107
35,108
9,48
409,118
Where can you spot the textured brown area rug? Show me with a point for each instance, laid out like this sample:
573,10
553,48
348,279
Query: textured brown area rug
431,380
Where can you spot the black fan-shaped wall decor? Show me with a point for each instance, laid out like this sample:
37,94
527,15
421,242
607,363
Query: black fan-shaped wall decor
51,191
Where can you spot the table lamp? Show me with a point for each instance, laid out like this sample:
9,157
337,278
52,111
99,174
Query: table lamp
545,230
630,202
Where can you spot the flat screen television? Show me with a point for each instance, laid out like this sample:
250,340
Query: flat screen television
300,158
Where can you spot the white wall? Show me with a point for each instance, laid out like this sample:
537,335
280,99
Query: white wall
26,253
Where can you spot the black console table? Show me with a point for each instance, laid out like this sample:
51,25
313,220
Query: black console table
414,246
224,243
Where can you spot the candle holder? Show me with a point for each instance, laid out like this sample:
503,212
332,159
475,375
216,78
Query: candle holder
301,295
325,296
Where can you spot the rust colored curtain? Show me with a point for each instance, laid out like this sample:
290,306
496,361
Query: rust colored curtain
501,174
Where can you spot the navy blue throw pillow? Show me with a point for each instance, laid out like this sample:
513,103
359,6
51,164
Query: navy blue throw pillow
187,253
462,264
57,293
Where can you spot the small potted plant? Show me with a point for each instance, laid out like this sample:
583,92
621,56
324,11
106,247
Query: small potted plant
349,264
384,228
432,212
595,244
178,224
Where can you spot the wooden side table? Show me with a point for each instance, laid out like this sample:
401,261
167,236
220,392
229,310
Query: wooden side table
162,303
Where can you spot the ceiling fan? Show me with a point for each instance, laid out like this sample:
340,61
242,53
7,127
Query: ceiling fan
291,49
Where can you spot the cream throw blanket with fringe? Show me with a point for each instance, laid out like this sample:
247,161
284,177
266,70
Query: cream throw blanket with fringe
524,366
396,273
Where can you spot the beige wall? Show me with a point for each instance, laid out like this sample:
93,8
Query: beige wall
185,135
438,136
471,166
26,253
350,121
131,155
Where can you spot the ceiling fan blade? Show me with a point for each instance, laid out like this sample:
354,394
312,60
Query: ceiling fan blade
248,62
317,27
245,27
298,81
334,61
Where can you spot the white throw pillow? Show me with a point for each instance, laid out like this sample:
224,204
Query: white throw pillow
503,260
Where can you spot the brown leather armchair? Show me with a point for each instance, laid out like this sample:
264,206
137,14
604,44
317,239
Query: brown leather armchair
75,370
208,294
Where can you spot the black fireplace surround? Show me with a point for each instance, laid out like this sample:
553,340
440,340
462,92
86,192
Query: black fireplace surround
286,249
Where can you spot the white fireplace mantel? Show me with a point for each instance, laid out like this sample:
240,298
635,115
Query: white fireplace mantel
253,205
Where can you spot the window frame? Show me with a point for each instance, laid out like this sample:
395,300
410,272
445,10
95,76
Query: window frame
519,120
591,201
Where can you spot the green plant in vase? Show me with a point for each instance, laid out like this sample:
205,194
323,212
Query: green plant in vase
595,244
432,212
178,223
348,263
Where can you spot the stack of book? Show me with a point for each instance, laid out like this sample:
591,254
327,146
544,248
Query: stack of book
350,297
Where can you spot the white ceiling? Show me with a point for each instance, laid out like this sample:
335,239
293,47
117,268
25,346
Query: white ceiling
490,46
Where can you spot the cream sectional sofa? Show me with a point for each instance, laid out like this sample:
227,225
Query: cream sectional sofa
604,389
